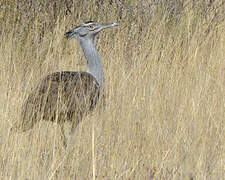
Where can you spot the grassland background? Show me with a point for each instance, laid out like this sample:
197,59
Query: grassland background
165,89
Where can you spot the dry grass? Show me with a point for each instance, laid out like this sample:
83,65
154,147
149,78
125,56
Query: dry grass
165,85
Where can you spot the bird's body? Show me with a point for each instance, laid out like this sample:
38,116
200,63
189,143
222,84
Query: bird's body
60,97
68,96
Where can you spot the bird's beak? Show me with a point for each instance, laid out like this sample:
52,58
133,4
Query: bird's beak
108,25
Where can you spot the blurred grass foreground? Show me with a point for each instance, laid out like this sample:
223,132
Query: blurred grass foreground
165,89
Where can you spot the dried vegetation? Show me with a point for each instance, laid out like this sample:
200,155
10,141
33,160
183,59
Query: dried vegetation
165,80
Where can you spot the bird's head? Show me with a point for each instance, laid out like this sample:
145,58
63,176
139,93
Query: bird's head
88,29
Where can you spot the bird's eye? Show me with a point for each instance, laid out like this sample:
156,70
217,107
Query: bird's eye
90,27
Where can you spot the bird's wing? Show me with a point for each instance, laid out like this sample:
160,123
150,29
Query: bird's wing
68,80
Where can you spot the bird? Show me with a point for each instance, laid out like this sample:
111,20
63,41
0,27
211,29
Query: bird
68,95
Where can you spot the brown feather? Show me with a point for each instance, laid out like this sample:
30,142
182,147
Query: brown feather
60,97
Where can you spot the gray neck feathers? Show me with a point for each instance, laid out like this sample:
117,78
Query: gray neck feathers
93,60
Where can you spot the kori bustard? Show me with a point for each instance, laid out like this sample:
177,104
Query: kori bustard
68,96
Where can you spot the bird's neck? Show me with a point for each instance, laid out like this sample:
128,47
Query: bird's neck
93,60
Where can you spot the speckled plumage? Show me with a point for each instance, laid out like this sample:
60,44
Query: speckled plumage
68,96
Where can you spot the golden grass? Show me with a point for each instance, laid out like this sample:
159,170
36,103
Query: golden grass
165,92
